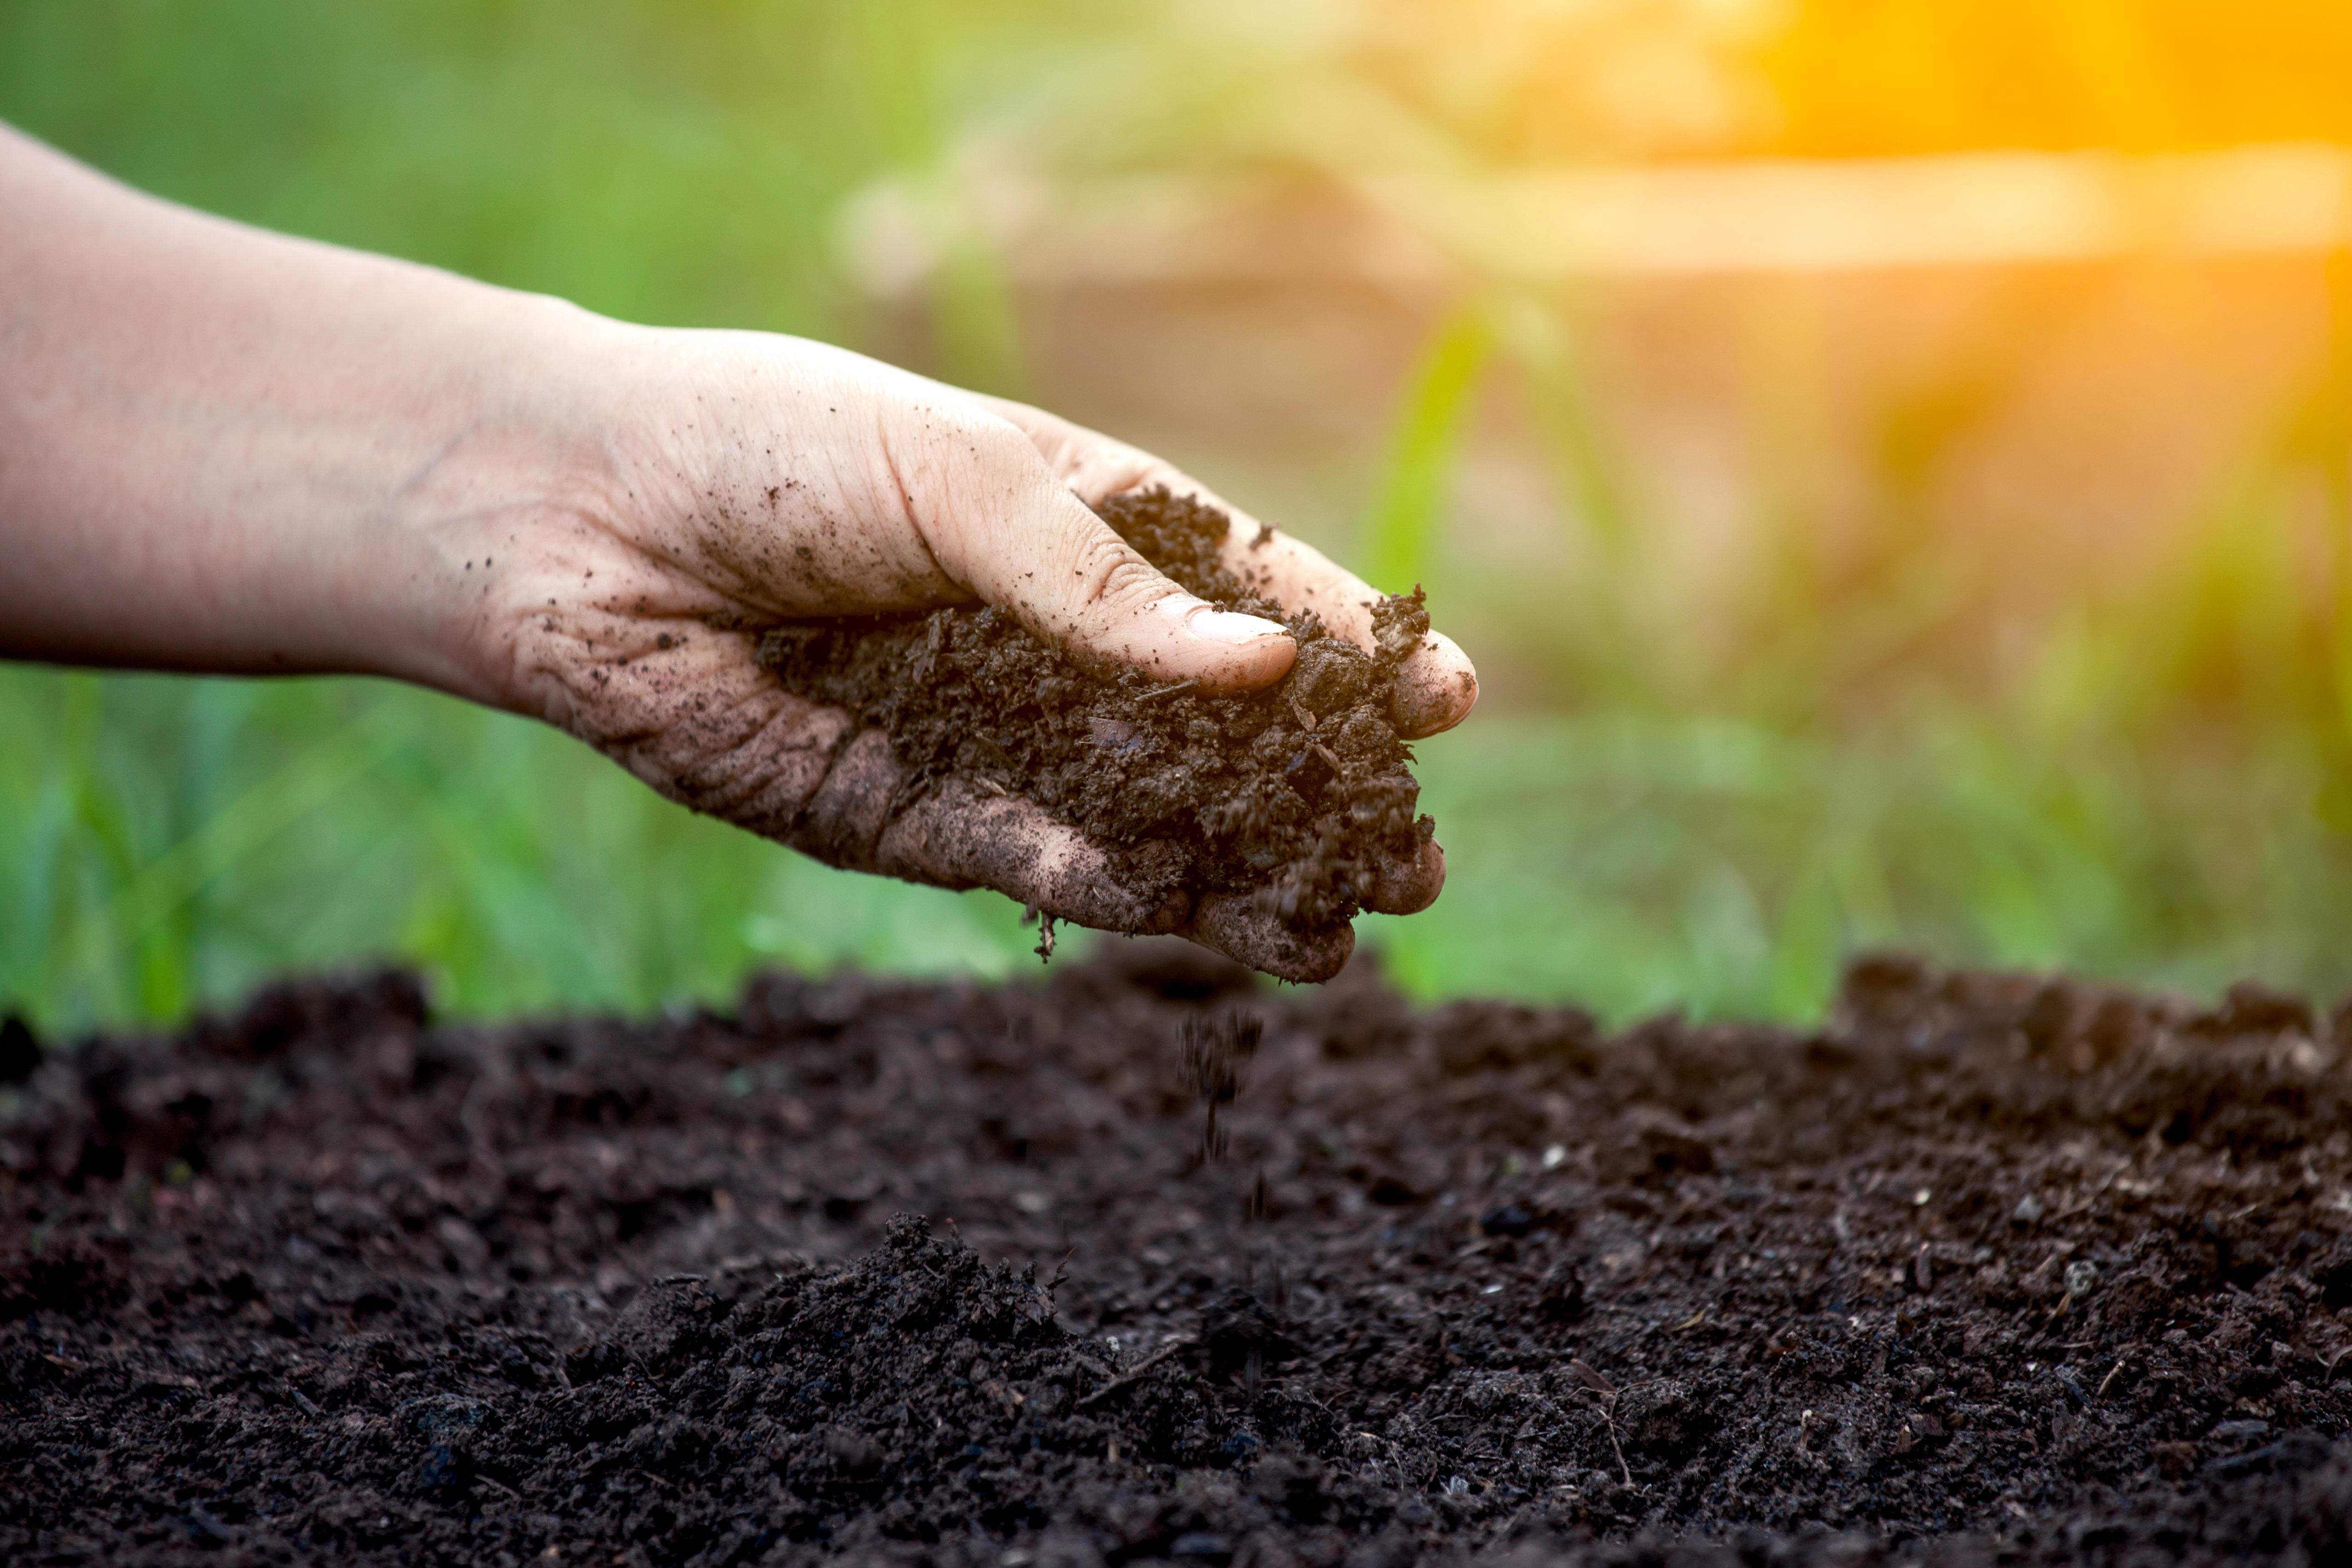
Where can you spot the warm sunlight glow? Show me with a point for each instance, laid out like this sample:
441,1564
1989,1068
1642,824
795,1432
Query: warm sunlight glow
1537,81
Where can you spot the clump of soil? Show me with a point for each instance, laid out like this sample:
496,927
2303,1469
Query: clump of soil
1992,1267
1296,793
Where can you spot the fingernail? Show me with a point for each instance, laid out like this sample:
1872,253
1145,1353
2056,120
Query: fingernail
1230,628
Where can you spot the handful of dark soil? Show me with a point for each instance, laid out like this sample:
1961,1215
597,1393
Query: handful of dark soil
1294,794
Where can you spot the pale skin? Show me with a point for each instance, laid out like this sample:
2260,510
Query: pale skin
223,450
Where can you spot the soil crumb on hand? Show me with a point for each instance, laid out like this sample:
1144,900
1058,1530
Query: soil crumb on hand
1295,795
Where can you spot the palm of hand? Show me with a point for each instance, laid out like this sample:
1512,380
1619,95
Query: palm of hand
763,478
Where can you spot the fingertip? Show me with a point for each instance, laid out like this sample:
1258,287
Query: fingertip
1231,923
1434,688
1222,649
1231,628
958,836
1407,887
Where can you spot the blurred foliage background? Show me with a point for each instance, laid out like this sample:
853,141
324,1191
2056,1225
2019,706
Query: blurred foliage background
1997,612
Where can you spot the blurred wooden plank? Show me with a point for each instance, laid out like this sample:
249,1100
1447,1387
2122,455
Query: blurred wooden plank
1993,209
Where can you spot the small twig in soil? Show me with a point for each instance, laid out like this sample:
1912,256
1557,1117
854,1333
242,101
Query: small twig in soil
1608,1420
1604,1394
1395,1461
1135,1375
1306,721
1158,693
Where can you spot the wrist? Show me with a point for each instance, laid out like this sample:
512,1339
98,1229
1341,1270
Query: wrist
519,490
329,447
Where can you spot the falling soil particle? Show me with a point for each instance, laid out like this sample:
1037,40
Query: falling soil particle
1298,793
1991,1268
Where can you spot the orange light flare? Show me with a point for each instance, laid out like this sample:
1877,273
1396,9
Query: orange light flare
2034,294
2065,263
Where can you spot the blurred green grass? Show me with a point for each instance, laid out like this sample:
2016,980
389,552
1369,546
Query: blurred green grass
171,841
2160,795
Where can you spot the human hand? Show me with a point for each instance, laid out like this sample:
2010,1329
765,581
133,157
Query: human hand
742,479
348,463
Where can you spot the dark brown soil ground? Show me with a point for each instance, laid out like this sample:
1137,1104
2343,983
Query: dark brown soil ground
1989,1269
1296,793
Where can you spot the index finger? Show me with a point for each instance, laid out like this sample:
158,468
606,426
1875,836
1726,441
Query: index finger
1435,687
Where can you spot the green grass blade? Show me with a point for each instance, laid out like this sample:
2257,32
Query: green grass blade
1408,505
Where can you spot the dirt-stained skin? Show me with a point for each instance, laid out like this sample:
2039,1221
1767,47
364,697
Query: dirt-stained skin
757,488
1294,802
226,451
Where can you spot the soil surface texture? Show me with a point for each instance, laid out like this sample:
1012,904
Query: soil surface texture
1146,1263
1299,793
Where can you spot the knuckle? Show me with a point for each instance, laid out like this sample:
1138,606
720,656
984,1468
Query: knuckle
1120,579
841,816
996,447
747,762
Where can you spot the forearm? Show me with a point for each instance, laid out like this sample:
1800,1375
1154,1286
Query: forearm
223,449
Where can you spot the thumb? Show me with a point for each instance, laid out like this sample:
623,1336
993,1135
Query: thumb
1008,530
